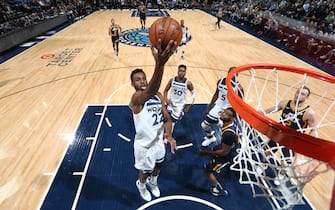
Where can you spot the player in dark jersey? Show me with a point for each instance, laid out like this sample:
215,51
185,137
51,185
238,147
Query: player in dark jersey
296,114
219,15
114,31
142,9
222,154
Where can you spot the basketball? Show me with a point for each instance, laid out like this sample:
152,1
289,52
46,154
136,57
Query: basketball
166,29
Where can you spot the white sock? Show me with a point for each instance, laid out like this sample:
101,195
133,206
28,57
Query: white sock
142,185
153,179
218,186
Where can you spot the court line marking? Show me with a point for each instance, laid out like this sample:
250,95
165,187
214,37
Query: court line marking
77,173
179,197
268,189
59,163
48,174
123,137
107,149
184,146
92,149
108,122
88,161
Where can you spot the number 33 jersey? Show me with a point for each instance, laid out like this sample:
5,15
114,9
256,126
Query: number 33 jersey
149,122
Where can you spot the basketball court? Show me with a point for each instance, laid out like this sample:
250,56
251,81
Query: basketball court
67,131
95,169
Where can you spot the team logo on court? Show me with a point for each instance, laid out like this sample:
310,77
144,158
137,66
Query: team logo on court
137,37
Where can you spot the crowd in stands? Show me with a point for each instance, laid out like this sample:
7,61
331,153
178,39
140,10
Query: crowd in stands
311,16
156,4
305,26
16,14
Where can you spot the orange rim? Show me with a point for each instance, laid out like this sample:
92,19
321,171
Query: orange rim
304,144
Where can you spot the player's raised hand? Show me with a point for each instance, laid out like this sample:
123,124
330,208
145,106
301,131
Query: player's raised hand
162,55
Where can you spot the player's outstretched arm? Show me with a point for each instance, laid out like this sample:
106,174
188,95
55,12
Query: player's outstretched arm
161,56
311,119
190,87
167,126
275,108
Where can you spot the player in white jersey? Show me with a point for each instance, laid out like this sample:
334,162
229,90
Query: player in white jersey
176,103
152,122
149,123
184,40
218,103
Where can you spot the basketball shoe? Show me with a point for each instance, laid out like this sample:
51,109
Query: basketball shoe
208,140
218,191
144,192
153,188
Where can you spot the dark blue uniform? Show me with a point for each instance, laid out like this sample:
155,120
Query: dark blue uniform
292,119
228,137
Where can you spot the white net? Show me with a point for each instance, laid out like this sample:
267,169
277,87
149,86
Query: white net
276,172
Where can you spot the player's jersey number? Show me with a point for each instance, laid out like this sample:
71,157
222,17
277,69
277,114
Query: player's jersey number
158,118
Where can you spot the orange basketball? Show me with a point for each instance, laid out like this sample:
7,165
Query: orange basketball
166,29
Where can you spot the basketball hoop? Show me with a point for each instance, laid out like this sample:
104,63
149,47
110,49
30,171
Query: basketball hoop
263,170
